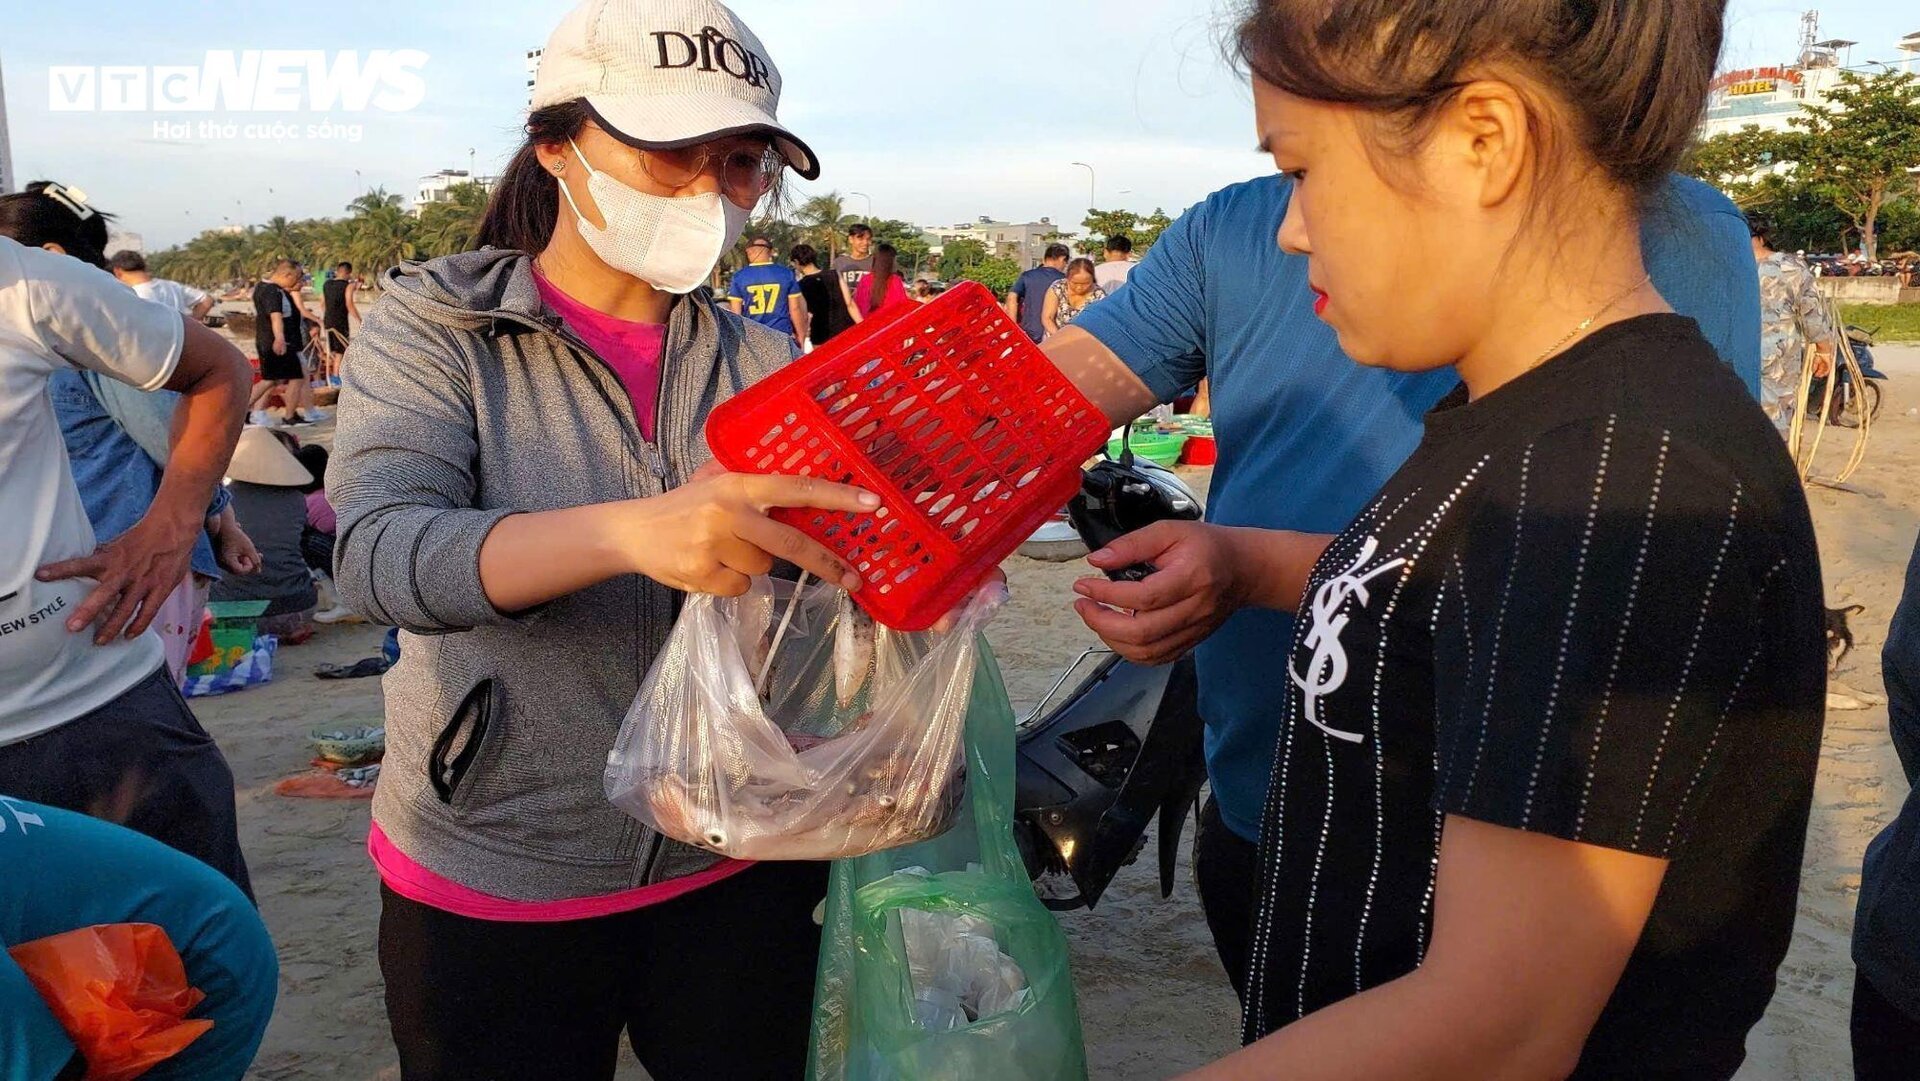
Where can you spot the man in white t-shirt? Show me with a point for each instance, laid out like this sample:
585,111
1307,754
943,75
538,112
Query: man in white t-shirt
131,268
89,718
1112,272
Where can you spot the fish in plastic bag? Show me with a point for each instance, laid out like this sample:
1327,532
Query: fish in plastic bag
826,739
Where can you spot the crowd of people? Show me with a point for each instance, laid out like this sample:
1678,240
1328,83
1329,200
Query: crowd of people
1507,611
812,306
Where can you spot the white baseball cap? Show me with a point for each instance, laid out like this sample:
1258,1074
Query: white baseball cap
664,74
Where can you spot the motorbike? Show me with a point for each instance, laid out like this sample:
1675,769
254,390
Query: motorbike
1853,399
1097,764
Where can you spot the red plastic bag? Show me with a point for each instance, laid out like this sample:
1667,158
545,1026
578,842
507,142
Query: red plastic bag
121,993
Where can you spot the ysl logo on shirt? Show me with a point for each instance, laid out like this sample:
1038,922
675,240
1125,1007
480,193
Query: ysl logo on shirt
1327,671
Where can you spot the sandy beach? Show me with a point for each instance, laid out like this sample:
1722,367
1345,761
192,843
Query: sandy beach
1152,996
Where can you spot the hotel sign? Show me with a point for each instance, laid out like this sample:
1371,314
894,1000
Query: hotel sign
1754,81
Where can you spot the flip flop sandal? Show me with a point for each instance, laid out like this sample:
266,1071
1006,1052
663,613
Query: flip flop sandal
365,666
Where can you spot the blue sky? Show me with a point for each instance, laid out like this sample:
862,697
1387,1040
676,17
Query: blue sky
938,111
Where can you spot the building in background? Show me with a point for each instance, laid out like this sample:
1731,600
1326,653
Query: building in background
1023,242
1768,97
438,187
6,152
533,68
125,240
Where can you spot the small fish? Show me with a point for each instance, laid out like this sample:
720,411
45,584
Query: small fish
852,651
753,629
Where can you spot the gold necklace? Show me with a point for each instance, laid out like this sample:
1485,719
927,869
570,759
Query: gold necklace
1589,321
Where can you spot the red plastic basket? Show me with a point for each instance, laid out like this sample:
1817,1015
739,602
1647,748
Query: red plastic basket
968,434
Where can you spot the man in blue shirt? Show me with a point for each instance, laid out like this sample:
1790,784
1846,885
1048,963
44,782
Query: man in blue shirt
765,292
1028,297
1886,925
1306,437
67,871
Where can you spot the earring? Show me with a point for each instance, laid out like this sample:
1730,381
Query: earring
557,166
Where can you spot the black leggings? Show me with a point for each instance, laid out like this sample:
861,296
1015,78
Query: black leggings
717,983
1226,868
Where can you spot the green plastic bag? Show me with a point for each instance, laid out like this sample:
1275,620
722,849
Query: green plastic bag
867,1023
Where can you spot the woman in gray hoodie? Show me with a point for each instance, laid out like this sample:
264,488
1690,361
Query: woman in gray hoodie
522,487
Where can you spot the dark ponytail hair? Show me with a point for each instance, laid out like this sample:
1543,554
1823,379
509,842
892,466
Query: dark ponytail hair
39,216
1632,75
526,201
881,277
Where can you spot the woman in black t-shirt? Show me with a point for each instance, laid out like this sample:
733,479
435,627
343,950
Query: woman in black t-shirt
1542,780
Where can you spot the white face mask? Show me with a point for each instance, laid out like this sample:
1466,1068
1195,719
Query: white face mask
669,242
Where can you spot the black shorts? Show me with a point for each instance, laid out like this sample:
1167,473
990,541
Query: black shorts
277,367
141,761
338,337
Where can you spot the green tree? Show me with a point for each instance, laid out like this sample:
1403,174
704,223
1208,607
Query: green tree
909,242
824,217
1858,146
1804,217
958,257
1143,231
996,273
285,238
783,233
215,258
380,234
1101,224
1757,169
1738,162
452,226
1900,225
1147,233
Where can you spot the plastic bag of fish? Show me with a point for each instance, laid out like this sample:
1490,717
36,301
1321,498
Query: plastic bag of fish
784,724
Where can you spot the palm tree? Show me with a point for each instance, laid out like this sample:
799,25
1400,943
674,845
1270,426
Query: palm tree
825,219
375,199
285,238
452,226
783,233
381,235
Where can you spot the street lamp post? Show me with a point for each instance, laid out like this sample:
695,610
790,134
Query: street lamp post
869,200
1092,202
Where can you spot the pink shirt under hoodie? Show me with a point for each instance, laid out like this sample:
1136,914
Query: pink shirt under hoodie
633,350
